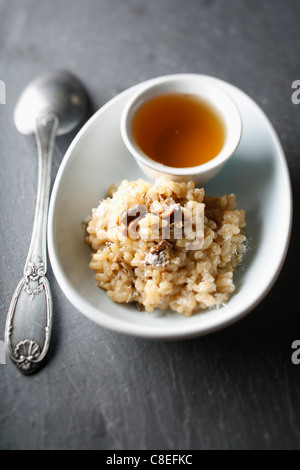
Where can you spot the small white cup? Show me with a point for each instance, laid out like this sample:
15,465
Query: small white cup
184,84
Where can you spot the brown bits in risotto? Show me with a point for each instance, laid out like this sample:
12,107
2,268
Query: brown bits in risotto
138,256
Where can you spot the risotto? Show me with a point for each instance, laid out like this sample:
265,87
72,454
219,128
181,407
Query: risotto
166,245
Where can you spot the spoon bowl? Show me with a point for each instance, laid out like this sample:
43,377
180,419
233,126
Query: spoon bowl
59,93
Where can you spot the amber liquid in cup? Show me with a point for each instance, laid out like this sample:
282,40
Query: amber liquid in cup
178,130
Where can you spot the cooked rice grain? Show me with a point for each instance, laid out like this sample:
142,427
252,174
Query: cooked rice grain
157,274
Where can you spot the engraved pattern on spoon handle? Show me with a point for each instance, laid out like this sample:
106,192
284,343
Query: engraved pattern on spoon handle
28,353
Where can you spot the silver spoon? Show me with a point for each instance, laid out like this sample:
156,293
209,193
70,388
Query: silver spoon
49,106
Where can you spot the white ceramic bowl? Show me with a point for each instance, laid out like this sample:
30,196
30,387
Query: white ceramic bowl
192,85
257,174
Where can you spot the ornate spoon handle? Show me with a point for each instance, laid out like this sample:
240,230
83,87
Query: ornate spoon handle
29,319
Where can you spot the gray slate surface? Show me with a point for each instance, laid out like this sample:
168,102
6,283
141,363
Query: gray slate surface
235,389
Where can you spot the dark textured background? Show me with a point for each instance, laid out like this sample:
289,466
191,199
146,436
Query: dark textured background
100,390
